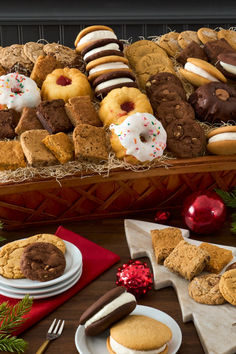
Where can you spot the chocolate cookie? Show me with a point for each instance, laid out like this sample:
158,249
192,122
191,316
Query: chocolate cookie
115,79
174,110
20,69
166,92
185,138
42,261
193,50
214,102
102,48
161,78
214,48
108,309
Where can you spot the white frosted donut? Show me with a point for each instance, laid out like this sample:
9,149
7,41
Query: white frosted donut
18,91
141,135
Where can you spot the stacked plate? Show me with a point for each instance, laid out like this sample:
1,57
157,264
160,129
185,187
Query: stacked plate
18,288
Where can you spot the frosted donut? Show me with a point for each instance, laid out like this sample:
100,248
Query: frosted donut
123,102
18,91
139,138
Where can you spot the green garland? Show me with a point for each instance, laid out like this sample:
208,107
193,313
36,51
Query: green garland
11,317
229,199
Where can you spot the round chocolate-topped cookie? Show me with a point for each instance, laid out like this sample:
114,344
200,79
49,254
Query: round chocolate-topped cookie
101,48
104,83
186,138
161,78
42,261
214,102
168,111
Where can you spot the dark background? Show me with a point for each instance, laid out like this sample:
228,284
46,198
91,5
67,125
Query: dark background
60,21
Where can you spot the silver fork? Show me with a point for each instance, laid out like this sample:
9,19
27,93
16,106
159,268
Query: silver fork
53,333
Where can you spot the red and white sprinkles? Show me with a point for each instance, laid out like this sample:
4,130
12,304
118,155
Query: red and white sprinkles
142,135
18,91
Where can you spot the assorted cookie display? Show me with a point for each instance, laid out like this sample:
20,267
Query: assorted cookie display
190,261
90,91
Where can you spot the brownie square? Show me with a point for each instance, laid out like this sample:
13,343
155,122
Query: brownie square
219,257
187,260
164,241
90,143
61,146
7,124
80,110
193,50
35,151
214,48
11,155
53,116
28,121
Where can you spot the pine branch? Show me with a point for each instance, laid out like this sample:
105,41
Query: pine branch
14,314
229,198
12,344
233,224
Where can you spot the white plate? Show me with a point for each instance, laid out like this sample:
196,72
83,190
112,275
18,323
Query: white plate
94,345
73,263
38,291
44,295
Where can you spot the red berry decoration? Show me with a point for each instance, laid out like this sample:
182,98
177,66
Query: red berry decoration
136,277
162,216
204,212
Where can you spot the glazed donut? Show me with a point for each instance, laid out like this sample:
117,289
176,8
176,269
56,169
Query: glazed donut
140,138
18,91
122,102
64,84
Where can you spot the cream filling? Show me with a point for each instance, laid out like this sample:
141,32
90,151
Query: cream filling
110,46
124,298
120,349
199,71
95,35
228,67
106,66
112,82
222,136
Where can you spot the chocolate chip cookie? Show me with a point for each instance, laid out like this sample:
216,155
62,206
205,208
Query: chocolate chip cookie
185,138
42,261
205,289
174,110
161,78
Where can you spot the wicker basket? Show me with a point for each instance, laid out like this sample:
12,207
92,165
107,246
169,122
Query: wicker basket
122,193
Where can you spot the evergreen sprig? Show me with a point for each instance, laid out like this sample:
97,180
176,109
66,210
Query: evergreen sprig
229,198
11,317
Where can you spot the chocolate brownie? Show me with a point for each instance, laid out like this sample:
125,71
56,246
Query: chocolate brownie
186,138
7,124
80,110
99,51
104,83
214,102
166,93
169,111
90,143
214,48
193,50
42,261
161,78
53,116
28,121
20,69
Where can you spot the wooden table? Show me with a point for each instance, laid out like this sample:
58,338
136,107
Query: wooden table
109,233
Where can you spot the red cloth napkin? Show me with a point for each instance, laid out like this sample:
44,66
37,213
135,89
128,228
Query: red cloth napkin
96,260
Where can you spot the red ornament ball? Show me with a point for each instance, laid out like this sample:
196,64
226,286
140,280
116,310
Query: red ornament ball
204,212
136,277
162,216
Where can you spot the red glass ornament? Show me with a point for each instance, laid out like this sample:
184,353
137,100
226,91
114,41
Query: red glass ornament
204,212
136,277
162,216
